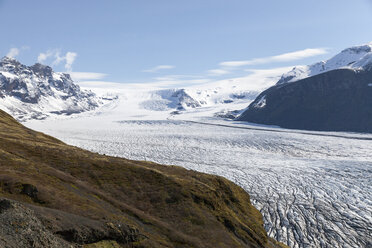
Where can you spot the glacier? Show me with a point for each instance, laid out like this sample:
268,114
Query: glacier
314,189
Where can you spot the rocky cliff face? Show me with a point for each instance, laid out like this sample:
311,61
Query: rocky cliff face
72,197
20,227
36,92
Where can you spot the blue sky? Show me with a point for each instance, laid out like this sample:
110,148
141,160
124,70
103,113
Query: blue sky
149,40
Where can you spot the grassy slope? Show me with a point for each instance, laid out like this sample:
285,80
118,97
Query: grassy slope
162,206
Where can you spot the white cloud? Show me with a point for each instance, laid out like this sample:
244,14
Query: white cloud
44,56
260,79
218,72
57,58
159,67
176,77
175,83
78,76
271,71
286,57
234,63
256,80
13,52
172,81
69,58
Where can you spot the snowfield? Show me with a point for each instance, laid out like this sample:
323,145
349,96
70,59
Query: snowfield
314,189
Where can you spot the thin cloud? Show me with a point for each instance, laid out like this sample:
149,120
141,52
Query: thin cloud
159,67
13,52
256,80
286,57
176,77
69,58
44,56
176,81
270,71
218,72
79,76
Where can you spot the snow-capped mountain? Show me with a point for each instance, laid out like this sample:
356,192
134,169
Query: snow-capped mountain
335,95
36,92
356,58
185,99
168,99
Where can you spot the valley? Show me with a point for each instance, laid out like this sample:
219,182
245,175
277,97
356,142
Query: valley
313,188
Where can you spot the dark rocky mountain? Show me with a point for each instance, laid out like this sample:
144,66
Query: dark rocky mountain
36,92
337,100
56,195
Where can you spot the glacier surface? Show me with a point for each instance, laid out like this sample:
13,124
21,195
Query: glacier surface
314,189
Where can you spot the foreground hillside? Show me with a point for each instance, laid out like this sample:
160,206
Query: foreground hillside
55,195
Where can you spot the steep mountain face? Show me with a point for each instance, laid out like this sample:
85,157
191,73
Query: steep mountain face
36,92
335,100
356,58
74,198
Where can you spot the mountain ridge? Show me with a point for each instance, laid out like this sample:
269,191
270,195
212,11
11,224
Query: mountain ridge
36,92
336,98
354,58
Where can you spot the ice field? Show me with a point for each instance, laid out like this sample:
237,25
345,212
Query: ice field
314,189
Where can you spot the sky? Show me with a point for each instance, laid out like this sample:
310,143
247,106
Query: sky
181,42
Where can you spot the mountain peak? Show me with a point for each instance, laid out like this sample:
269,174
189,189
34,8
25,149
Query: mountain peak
42,69
366,48
354,58
34,92
8,59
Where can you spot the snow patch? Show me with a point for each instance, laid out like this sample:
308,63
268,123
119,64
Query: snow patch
8,74
261,103
355,58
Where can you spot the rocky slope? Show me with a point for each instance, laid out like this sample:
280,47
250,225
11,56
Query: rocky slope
334,100
36,92
75,197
